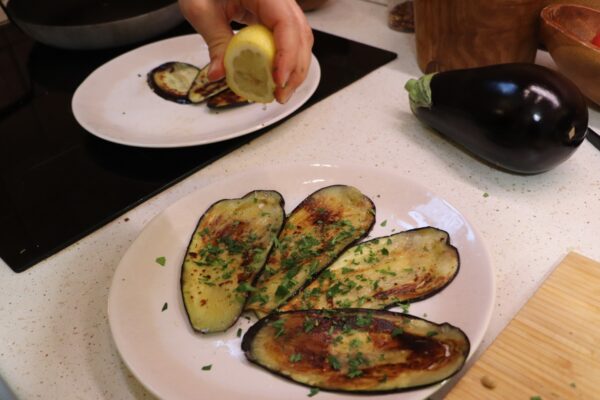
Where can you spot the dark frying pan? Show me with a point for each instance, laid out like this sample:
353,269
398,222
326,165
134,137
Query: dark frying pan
93,24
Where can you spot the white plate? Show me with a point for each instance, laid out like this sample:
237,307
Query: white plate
163,352
115,102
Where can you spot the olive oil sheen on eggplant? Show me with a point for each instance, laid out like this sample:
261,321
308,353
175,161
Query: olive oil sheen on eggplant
522,118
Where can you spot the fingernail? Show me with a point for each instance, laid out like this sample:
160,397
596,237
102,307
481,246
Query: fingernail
285,79
286,96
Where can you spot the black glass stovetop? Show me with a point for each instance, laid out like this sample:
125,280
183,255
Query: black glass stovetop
58,183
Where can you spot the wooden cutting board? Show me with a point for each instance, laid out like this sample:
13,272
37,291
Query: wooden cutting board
551,349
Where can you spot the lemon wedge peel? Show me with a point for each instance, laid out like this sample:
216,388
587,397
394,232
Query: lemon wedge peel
249,64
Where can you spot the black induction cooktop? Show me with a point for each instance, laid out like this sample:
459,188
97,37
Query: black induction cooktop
59,183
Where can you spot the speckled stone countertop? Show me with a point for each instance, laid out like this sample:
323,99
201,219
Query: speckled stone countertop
55,341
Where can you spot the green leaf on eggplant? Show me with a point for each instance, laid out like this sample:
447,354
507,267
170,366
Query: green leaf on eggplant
383,272
315,233
356,350
227,251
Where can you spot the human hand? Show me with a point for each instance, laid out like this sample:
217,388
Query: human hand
293,36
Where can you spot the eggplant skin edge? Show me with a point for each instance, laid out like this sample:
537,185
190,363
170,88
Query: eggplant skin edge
433,292
254,329
282,203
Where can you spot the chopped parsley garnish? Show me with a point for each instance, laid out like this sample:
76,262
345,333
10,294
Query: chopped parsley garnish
535,398
279,329
346,303
354,343
295,357
431,333
486,194
227,275
281,291
383,223
359,249
371,258
354,363
346,270
364,320
309,324
233,246
207,367
353,373
386,272
313,391
385,251
397,332
164,307
334,362
405,307
239,332
161,261
245,287
259,298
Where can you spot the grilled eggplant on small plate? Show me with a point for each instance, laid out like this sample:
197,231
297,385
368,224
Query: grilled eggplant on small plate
225,100
315,233
383,272
227,250
173,80
356,350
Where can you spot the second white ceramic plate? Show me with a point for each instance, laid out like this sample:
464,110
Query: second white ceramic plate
115,102
148,320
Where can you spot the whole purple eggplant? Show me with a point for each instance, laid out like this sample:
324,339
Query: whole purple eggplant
523,118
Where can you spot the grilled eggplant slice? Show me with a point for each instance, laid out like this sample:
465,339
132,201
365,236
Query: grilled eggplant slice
383,272
315,233
202,88
356,350
228,248
226,99
172,80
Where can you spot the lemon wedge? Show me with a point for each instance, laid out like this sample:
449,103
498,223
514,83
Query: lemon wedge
249,64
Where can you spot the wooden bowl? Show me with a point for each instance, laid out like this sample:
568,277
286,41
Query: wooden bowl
587,3
567,31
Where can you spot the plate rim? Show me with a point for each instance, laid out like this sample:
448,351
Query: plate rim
315,68
340,166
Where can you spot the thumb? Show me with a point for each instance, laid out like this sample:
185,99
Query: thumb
209,19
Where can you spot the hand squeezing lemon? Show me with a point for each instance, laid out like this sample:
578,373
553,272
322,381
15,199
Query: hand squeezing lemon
249,64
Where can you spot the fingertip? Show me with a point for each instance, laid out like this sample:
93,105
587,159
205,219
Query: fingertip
281,72
282,95
216,70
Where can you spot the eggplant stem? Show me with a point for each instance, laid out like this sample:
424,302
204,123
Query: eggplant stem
419,91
